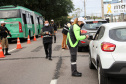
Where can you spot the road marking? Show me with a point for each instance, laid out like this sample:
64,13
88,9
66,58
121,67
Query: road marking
54,81
12,50
62,49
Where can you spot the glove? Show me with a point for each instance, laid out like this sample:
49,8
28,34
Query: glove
10,35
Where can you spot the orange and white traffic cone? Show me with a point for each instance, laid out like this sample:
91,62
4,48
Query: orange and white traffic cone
41,36
1,52
34,38
18,44
28,41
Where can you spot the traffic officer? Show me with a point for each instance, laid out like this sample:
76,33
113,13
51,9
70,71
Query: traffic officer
71,21
73,38
55,29
47,32
4,32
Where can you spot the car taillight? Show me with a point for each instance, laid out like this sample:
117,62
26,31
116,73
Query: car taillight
82,41
20,27
108,47
83,31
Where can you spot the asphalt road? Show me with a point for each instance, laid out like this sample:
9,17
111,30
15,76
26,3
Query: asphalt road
29,66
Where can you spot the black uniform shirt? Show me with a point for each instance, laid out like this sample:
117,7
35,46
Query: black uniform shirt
47,38
54,26
65,30
3,34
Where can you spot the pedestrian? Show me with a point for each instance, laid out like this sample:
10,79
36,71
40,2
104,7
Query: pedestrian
4,32
73,38
47,32
55,29
64,32
71,21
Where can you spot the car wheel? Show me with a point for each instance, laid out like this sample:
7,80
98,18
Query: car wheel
91,65
79,49
101,78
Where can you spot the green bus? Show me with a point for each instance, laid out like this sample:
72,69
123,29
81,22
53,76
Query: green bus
21,21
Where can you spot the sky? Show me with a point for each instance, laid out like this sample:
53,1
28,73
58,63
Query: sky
93,7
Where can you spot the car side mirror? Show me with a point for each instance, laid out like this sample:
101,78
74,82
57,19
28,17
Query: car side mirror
91,37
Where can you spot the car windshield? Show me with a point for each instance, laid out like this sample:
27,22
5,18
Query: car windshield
4,14
118,34
93,25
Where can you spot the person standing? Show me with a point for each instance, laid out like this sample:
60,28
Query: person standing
64,32
47,32
4,32
55,29
71,21
73,38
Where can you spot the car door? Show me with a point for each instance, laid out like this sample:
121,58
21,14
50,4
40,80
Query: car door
96,43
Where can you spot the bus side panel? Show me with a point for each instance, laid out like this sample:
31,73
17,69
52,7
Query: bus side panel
13,26
29,30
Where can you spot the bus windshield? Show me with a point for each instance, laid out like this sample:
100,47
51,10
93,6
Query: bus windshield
5,14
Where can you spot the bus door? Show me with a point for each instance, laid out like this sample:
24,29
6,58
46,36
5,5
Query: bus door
33,25
25,22
38,25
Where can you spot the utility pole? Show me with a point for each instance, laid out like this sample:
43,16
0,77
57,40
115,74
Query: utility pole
84,8
102,8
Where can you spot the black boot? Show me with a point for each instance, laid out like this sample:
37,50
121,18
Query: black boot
46,56
76,74
50,58
6,49
3,51
74,71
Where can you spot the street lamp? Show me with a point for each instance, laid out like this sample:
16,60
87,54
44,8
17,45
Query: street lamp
85,8
102,8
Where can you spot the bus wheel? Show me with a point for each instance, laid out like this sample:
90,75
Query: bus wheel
9,40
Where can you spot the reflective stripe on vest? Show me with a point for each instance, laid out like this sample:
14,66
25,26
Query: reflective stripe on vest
71,43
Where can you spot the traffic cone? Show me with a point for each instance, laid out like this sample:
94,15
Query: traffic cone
41,36
28,41
18,44
1,52
34,38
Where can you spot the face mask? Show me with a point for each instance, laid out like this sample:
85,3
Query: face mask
82,25
47,24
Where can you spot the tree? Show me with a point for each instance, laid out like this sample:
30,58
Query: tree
50,9
77,12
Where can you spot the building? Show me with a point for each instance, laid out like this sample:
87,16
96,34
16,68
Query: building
112,1
115,10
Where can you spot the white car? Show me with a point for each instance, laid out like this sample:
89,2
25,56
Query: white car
108,51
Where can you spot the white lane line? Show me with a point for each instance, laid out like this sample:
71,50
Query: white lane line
12,50
62,49
54,81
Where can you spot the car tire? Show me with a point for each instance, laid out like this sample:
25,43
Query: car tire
79,49
101,78
91,65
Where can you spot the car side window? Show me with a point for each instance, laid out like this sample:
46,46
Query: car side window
96,35
99,33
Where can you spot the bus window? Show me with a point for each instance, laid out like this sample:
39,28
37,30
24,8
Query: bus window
32,19
24,18
36,20
5,14
40,19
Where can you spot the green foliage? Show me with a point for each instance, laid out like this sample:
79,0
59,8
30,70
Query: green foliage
50,9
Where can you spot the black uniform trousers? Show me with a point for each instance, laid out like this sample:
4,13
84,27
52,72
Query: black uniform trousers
48,49
73,52
55,38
